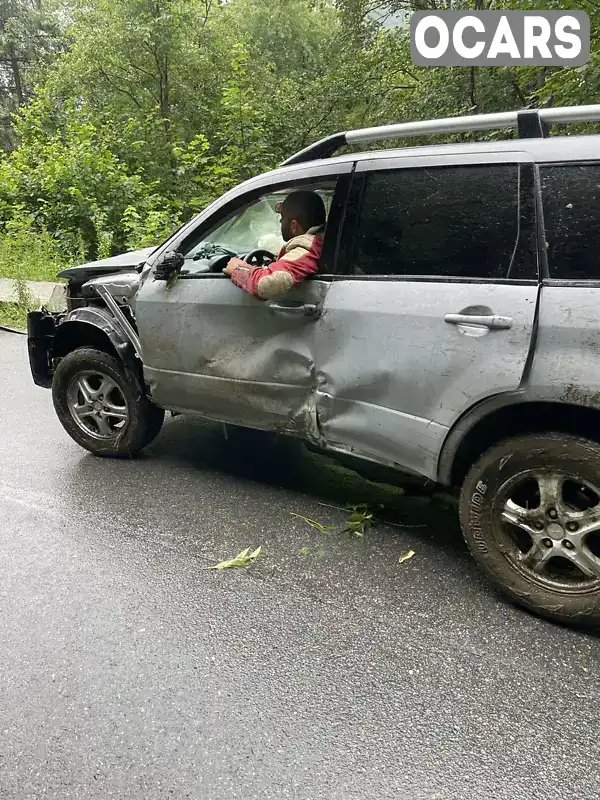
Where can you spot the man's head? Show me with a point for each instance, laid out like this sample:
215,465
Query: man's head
300,211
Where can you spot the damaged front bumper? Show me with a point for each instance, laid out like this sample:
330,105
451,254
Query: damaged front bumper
41,329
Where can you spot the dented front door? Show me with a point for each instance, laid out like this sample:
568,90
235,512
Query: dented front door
210,348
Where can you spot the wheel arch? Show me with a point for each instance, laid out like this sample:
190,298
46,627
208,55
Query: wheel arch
481,428
74,334
96,328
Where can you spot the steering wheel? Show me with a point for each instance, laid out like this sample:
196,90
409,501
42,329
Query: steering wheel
255,258
218,263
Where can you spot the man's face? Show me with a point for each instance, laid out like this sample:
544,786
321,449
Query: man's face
289,227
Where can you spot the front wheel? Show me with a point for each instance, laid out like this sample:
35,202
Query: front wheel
100,407
530,513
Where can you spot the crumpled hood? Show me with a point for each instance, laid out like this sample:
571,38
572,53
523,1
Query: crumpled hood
107,266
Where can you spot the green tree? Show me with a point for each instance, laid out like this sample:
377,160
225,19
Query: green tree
30,35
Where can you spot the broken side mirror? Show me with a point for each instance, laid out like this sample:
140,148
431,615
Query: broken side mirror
168,265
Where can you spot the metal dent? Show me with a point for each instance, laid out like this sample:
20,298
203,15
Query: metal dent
120,284
107,266
370,431
101,319
121,318
393,391
213,350
282,409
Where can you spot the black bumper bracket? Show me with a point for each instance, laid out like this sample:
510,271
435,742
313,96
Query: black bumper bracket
40,336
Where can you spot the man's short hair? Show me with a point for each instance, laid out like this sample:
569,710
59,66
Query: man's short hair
305,207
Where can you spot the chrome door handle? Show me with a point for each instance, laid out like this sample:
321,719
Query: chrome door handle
301,310
492,321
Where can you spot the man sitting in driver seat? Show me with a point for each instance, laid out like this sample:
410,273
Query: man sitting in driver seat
302,226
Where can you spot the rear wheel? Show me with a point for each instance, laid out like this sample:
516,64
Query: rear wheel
530,513
100,407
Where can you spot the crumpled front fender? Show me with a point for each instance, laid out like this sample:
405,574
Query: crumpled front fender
52,336
100,319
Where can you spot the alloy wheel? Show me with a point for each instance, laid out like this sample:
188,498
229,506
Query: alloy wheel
97,405
547,524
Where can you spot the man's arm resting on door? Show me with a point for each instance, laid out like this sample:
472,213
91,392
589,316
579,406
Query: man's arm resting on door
268,282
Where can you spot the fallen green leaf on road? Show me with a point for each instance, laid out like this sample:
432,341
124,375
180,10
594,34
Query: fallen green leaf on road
242,559
409,554
304,550
400,525
359,522
314,524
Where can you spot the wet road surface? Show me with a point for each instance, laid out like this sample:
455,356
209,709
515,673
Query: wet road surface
129,671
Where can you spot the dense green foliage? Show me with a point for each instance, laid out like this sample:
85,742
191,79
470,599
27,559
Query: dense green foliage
119,119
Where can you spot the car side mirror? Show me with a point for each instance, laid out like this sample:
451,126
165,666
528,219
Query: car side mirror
168,265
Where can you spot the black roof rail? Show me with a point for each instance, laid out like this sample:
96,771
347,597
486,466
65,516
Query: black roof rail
530,123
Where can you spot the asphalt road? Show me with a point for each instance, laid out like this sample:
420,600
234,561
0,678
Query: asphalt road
129,671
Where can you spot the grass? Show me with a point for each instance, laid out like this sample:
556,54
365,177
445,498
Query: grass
13,315
29,254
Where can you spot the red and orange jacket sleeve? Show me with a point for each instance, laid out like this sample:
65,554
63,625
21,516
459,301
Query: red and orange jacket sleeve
298,260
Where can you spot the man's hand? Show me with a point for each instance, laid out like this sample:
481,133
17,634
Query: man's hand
232,264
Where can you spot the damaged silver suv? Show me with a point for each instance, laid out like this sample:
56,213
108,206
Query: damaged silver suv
452,332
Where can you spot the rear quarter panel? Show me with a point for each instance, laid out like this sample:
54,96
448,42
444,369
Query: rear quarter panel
566,365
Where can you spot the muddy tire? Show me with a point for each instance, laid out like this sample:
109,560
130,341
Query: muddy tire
100,407
530,514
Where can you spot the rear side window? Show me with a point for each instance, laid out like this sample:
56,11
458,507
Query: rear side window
442,221
571,199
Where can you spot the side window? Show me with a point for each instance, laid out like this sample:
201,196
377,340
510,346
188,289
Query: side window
255,225
441,221
571,201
